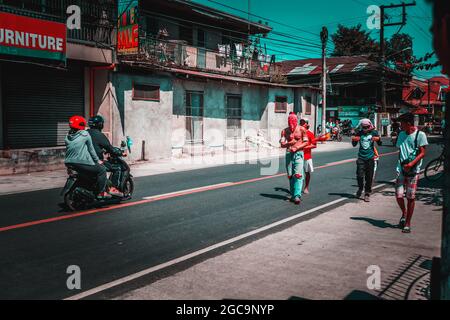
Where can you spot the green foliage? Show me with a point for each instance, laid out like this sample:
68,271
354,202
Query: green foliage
353,41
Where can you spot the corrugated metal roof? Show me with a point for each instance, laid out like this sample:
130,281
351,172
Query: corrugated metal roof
215,76
334,65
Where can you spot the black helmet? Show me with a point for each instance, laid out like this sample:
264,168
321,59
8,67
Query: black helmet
96,122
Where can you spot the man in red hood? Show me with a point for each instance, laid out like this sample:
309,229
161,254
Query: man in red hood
294,139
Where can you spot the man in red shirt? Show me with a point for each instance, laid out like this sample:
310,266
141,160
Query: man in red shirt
312,144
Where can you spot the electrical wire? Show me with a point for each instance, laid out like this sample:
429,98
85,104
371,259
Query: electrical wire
264,18
170,19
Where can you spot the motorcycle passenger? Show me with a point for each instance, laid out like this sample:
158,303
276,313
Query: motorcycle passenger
81,155
102,145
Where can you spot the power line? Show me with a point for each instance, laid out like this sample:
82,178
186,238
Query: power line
424,33
260,17
170,19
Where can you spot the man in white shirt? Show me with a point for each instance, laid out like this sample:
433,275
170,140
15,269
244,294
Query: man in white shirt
411,142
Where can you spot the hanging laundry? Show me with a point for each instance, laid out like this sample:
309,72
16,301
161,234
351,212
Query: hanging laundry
222,50
239,49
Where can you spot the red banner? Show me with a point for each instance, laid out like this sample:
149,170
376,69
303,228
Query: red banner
21,35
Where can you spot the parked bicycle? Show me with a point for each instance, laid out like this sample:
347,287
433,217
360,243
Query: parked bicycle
435,169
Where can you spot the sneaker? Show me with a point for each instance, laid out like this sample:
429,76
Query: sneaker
115,192
306,191
359,194
104,195
406,230
297,200
367,198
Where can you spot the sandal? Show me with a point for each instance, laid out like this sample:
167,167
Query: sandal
406,230
401,223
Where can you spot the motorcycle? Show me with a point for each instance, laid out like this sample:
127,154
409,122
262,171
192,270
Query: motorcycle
394,137
336,134
79,190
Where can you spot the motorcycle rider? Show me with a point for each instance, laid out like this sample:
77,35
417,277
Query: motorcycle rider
81,155
102,145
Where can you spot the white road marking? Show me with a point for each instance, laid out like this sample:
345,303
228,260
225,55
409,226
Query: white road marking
219,185
205,250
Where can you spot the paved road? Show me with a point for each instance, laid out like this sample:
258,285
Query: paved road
114,242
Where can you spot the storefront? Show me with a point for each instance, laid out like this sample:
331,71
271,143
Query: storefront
352,113
40,88
37,103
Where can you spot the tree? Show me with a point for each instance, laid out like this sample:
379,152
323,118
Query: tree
399,52
353,41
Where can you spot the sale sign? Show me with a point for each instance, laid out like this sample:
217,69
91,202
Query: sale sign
30,37
128,29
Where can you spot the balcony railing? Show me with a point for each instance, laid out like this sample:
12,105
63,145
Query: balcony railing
98,18
178,53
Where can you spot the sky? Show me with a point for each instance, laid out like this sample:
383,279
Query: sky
303,20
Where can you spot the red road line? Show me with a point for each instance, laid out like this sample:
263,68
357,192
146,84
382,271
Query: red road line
163,197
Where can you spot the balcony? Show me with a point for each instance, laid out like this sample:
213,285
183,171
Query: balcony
340,101
98,18
177,53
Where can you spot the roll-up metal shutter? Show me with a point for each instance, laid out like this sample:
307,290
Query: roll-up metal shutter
38,103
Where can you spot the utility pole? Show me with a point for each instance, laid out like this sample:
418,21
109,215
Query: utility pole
429,93
383,47
324,38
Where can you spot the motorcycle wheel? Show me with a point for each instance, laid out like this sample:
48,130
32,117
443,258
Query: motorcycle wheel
128,188
71,202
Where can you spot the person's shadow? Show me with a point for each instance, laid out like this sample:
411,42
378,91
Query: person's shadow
278,196
344,195
376,223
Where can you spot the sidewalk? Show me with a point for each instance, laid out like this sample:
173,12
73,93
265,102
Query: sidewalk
55,179
323,258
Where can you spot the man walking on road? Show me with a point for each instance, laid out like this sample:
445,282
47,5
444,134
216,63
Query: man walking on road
367,136
412,143
312,144
294,139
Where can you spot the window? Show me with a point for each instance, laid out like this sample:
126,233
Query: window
280,104
145,92
234,107
201,38
194,103
307,106
418,93
186,33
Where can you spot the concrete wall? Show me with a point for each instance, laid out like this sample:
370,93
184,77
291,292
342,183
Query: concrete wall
254,102
300,100
149,121
278,121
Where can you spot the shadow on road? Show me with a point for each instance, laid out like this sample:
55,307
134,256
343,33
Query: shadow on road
285,197
274,196
430,193
376,223
344,195
282,189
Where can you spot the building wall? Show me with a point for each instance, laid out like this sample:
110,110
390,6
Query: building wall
278,121
145,121
254,102
300,100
